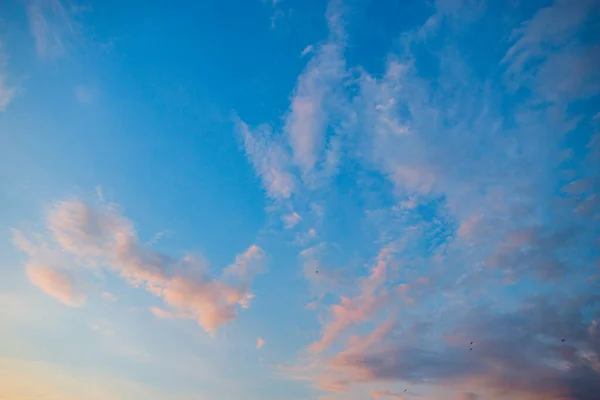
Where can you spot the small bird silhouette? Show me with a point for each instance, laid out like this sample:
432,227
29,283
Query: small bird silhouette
563,340
471,342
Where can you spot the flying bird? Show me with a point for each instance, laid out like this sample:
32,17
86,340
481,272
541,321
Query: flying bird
563,340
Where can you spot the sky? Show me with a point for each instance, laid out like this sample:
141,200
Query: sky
300,199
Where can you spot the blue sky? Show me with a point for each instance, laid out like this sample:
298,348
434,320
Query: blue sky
340,199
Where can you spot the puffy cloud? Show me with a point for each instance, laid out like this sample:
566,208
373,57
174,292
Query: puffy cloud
46,270
291,220
101,237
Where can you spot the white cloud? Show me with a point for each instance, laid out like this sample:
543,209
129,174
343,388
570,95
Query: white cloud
108,296
52,27
306,50
7,93
291,220
269,158
308,118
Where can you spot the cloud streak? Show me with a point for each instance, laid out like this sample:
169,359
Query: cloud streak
7,92
52,27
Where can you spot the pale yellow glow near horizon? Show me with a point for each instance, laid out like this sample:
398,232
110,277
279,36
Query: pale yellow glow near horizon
29,380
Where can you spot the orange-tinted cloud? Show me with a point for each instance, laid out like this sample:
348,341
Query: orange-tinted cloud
56,283
101,237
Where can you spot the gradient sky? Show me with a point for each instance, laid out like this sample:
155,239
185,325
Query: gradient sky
300,199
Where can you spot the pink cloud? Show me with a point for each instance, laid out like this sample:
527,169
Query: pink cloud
102,238
387,393
353,311
270,159
468,396
161,313
55,283
291,220
260,342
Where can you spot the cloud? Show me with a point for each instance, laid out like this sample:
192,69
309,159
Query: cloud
7,93
56,283
353,311
108,297
524,356
260,343
291,220
86,237
308,143
84,94
387,393
483,225
306,50
269,158
46,270
546,51
468,396
314,98
161,313
52,27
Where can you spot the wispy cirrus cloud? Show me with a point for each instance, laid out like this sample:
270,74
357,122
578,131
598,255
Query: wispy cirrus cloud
270,159
548,47
489,205
306,147
52,26
7,92
83,237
